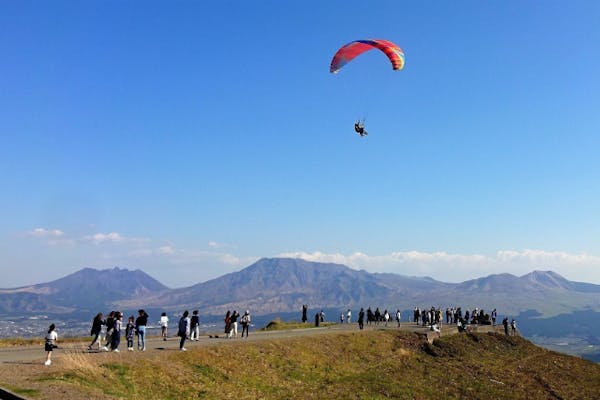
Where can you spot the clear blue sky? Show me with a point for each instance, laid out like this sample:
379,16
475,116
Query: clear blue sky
188,139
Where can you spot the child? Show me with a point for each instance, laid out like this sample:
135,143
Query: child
50,345
129,331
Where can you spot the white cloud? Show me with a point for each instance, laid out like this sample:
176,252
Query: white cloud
458,267
112,237
53,237
46,233
216,245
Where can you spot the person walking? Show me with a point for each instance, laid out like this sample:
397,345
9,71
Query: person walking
164,325
183,330
245,320
50,343
110,327
96,330
140,327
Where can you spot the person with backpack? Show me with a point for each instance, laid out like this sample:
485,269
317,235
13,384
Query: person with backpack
245,321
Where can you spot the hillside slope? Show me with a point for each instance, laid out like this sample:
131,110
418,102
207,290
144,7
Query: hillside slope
359,365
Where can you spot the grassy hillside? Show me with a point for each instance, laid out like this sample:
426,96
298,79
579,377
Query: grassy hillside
358,365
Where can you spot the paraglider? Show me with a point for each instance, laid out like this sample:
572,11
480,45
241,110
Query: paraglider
359,127
354,49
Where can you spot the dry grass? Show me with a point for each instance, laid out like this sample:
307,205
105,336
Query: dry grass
19,341
358,365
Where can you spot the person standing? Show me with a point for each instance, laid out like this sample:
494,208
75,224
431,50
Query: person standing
361,318
140,327
513,327
195,326
184,329
116,337
349,316
96,330
234,324
245,323
227,321
505,324
494,315
341,317
129,332
50,343
304,313
398,317
164,325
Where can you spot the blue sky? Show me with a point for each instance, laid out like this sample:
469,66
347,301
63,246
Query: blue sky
189,139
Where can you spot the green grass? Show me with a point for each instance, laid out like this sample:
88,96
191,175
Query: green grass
21,391
278,325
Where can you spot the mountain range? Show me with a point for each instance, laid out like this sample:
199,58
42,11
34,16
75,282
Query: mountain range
283,285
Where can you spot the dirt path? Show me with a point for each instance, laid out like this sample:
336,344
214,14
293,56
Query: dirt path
11,356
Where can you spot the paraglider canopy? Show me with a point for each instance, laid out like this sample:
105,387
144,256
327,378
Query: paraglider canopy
353,49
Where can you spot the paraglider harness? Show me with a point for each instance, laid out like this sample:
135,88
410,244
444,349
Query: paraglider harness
359,127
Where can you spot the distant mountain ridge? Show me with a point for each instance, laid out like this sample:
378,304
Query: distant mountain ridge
284,285
85,289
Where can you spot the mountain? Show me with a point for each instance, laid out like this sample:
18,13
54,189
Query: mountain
283,285
278,284
87,289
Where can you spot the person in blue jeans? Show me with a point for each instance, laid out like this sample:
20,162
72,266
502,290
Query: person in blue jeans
140,327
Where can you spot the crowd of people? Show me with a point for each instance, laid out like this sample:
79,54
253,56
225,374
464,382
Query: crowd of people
188,328
432,317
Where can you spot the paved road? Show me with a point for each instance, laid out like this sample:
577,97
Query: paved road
35,354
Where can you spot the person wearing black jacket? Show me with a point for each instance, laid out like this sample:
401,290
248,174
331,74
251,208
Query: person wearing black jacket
140,327
96,330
